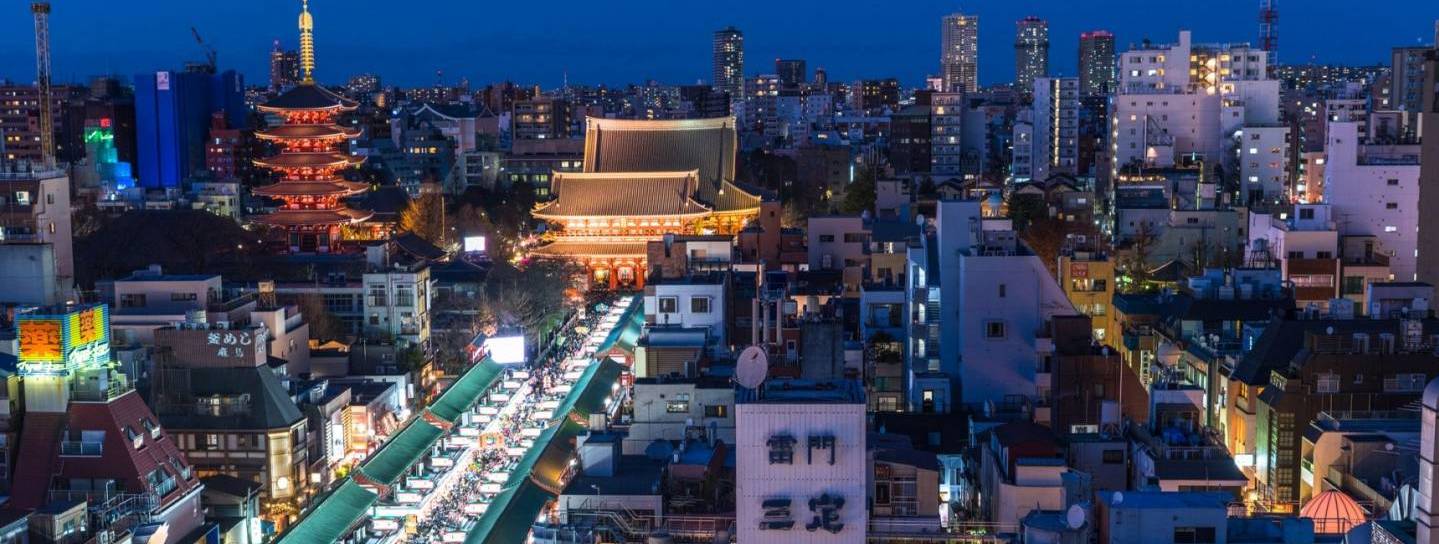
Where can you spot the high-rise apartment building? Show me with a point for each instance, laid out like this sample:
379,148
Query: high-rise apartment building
729,62
1408,73
1098,72
173,112
1031,52
959,54
791,72
284,67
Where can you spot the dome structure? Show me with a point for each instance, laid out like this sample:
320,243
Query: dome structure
1333,513
1431,395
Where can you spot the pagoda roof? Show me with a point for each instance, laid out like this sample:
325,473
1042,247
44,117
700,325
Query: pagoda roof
295,218
311,160
308,96
283,132
707,146
579,247
623,194
311,188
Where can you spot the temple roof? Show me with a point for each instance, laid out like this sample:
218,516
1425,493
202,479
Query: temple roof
623,194
308,97
306,131
311,188
312,160
705,145
292,218
573,247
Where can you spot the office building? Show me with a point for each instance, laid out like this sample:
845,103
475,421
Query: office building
541,118
1031,52
959,53
1098,71
728,69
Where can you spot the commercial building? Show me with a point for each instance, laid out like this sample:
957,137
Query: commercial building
1031,52
36,237
1054,138
959,53
799,455
284,67
541,118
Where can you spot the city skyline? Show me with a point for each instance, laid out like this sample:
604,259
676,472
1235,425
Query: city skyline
636,42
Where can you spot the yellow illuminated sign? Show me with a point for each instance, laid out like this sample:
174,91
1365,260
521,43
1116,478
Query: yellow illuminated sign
40,340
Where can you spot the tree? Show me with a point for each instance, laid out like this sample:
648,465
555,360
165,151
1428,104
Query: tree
425,216
323,324
859,196
1135,261
1045,237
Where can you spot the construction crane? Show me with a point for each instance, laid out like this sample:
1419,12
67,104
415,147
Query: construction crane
210,63
41,10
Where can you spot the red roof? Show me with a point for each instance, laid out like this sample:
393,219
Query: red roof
120,460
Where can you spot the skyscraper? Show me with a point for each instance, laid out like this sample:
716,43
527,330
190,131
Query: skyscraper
791,72
1097,68
1031,52
284,67
959,54
729,62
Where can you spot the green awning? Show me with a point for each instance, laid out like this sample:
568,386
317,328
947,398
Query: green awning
589,392
510,516
465,391
627,331
402,451
333,516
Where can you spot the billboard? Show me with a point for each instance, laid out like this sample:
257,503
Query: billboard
75,338
506,350
474,244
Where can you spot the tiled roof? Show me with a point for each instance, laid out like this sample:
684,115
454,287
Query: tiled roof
270,404
308,97
306,131
34,461
623,194
311,188
285,218
302,160
705,145
121,460
572,248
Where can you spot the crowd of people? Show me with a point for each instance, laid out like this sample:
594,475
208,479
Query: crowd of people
541,381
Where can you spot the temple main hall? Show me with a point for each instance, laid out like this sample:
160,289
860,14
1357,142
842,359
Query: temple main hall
641,180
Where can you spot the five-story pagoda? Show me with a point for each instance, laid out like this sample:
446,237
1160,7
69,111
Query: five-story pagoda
310,159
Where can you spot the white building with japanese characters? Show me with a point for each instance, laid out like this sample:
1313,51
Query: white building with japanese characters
800,463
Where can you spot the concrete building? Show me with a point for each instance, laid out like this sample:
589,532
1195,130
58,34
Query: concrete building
1056,110
1031,52
1088,280
675,409
728,68
959,53
840,243
1263,155
946,144
1098,70
1021,470
35,212
1304,244
1169,516
1373,186
800,457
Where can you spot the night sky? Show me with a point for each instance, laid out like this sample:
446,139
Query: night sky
667,40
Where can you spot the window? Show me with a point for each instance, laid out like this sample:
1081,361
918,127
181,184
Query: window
1354,285
22,198
1327,383
183,297
1324,255
1194,535
1393,182
881,493
212,441
1391,206
677,406
669,305
994,329
1113,457
824,238
1306,213
1001,290
700,305
717,410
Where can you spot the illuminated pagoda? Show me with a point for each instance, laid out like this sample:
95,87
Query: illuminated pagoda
643,179
313,214
86,436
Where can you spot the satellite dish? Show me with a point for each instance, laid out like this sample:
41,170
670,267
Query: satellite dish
752,367
1117,499
1075,516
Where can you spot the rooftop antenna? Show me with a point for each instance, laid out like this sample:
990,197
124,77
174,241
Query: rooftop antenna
41,10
